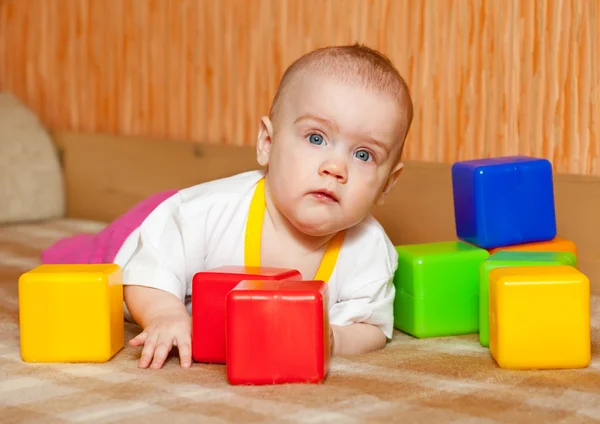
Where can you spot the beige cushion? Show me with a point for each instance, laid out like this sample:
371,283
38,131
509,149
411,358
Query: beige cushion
31,182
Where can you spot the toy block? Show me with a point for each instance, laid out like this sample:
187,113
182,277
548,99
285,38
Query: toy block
437,287
540,317
277,332
557,244
503,201
209,294
512,259
71,313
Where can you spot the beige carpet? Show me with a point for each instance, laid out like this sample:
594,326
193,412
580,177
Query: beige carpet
444,380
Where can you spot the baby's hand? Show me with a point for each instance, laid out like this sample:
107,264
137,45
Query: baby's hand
162,333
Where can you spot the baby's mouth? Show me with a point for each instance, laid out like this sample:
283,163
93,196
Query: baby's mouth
325,196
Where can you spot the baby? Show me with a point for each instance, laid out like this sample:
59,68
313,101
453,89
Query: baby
329,151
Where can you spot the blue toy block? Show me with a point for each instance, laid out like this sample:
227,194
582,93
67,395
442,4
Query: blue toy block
503,201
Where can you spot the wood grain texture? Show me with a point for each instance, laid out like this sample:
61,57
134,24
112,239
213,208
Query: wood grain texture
488,77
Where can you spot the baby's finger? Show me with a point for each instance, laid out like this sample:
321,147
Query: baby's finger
148,351
185,351
139,340
163,347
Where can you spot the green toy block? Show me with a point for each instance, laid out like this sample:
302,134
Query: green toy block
437,287
511,259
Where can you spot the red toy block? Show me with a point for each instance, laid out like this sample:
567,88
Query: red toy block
277,332
209,291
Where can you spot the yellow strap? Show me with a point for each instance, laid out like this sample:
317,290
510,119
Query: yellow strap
254,225
330,257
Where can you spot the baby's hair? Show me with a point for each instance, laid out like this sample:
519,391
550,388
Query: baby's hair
352,63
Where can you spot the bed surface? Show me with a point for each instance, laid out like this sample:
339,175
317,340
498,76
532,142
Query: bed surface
451,379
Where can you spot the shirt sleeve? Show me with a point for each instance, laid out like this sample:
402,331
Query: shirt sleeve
159,260
367,293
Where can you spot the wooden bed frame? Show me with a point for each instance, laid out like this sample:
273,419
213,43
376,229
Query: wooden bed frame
107,174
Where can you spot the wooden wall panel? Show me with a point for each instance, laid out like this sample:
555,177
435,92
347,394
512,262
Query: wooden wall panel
488,77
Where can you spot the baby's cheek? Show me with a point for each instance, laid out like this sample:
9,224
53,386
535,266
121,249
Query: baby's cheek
369,192
368,179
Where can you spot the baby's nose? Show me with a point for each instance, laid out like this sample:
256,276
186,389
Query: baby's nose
336,169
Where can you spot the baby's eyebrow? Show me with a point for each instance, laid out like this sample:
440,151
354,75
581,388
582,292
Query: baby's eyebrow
327,122
379,144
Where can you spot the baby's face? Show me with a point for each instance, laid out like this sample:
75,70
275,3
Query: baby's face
332,154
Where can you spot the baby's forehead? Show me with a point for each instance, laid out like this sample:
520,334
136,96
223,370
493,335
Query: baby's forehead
304,82
307,90
315,87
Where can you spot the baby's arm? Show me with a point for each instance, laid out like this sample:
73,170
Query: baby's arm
356,339
155,287
361,321
362,318
165,322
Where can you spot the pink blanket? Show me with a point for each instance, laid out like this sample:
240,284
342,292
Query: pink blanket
103,246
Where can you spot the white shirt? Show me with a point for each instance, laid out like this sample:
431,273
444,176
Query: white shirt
203,227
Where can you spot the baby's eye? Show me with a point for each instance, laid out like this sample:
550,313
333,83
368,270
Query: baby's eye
363,155
315,139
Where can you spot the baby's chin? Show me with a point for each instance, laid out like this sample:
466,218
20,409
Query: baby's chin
312,227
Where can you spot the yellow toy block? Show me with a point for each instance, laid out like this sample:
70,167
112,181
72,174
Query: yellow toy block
71,313
539,317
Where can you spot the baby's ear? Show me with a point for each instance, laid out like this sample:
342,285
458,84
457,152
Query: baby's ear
391,182
263,144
